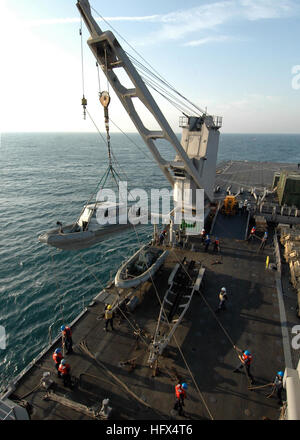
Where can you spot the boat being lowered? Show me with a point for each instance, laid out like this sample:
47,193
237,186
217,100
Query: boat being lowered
97,222
140,267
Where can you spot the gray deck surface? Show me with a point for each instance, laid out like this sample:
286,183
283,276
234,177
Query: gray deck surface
251,321
249,174
230,226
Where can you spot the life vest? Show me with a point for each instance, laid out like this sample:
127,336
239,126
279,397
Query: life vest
179,391
108,314
64,369
278,382
222,296
247,358
57,357
67,333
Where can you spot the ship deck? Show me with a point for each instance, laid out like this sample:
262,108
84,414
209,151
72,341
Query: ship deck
249,174
206,358
251,321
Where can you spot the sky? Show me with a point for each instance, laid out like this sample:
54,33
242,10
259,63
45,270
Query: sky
239,59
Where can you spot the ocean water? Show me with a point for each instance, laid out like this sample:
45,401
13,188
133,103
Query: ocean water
49,177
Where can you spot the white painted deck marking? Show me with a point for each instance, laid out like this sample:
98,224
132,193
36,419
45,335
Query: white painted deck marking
284,326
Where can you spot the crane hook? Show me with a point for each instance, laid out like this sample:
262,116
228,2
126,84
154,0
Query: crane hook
104,99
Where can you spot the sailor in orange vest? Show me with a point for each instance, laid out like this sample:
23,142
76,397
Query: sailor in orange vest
67,338
57,357
109,317
252,233
180,391
216,245
246,359
64,370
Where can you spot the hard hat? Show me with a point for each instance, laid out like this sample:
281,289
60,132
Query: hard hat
247,352
62,328
108,307
223,289
63,362
58,350
280,373
184,386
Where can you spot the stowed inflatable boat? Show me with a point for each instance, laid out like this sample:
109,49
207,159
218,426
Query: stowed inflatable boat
140,267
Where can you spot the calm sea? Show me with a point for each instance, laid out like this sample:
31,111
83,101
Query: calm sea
48,177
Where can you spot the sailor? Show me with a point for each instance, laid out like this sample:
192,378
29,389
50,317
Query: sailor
216,245
60,227
246,359
162,236
252,233
67,338
180,391
222,297
278,386
109,317
57,357
264,240
64,369
202,235
206,243
244,208
241,204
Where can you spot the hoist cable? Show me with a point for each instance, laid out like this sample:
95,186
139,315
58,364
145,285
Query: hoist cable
154,84
98,75
132,141
82,63
158,75
141,67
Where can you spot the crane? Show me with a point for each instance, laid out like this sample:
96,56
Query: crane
194,166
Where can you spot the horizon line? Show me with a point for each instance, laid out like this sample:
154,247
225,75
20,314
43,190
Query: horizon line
133,132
